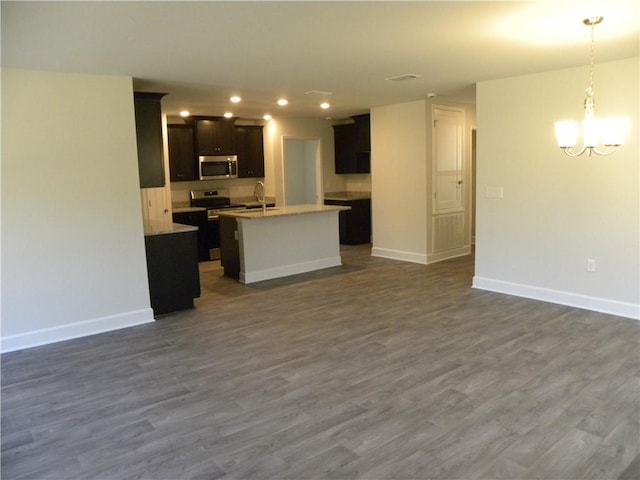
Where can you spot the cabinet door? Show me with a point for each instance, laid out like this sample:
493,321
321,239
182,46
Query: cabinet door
215,137
148,117
197,219
183,163
250,147
172,269
345,148
363,133
355,224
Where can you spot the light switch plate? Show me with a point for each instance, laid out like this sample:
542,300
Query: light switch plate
494,192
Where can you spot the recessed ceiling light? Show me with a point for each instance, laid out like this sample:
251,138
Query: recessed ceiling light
184,113
266,116
282,102
431,95
228,115
235,99
325,105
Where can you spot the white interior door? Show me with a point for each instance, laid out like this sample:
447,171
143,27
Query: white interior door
301,159
448,160
448,217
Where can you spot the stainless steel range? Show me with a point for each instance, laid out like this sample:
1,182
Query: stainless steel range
213,201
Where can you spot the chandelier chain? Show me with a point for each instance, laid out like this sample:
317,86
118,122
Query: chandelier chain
592,59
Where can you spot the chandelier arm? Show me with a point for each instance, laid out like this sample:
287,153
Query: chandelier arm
570,153
607,150
589,151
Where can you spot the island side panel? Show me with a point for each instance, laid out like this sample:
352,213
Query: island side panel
229,251
273,247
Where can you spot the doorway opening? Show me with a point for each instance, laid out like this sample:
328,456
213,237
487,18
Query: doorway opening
301,171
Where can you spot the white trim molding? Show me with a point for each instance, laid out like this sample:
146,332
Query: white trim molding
75,330
291,269
603,305
399,255
448,254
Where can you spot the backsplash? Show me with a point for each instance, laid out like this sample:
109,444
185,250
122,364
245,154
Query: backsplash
241,187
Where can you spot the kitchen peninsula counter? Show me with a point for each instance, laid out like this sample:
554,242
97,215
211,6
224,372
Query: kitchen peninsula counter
163,228
259,245
172,265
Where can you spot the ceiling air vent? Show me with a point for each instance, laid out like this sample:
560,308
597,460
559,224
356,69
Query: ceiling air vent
403,77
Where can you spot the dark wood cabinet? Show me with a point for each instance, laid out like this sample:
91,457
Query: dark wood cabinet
344,148
362,125
352,146
197,219
172,268
148,116
229,248
250,149
183,162
354,224
215,136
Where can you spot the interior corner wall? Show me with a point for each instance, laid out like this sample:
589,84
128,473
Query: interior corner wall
556,211
73,258
399,181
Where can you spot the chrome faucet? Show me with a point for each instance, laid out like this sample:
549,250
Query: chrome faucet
258,192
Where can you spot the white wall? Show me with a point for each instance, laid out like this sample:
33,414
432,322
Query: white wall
73,259
399,181
299,128
558,211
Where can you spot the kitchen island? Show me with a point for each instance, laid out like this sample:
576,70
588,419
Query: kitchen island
258,245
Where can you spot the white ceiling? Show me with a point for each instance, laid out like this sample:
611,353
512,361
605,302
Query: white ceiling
200,53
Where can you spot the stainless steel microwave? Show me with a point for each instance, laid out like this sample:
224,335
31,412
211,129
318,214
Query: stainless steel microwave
218,167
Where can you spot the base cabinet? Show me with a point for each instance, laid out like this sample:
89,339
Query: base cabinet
196,219
355,224
172,268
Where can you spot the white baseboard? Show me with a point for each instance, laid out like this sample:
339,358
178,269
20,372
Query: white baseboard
602,305
399,255
447,254
286,270
75,330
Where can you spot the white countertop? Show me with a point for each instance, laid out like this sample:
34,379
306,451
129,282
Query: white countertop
163,228
346,196
283,211
188,209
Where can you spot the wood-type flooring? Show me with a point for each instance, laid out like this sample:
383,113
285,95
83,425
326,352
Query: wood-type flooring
376,369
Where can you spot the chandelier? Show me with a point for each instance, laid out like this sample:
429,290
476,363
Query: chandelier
599,136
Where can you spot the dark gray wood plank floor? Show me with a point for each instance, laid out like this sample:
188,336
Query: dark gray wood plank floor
373,370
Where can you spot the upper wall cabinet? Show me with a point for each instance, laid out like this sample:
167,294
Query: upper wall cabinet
183,162
214,136
352,146
148,115
250,148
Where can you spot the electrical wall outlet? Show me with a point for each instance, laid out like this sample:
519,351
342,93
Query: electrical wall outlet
591,265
